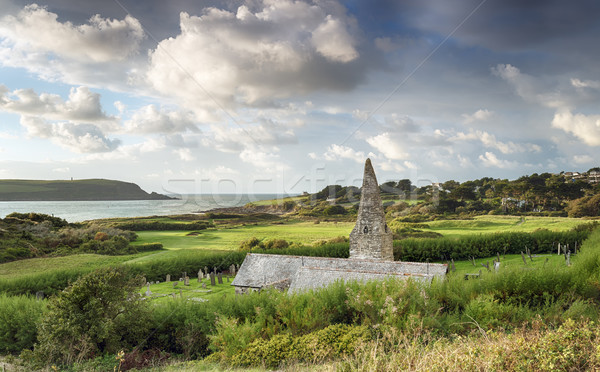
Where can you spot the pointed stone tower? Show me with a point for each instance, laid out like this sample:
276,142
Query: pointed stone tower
371,238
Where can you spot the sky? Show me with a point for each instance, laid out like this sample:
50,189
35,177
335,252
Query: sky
290,96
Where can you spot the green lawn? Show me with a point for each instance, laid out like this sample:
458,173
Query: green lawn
20,268
166,291
547,261
493,224
230,238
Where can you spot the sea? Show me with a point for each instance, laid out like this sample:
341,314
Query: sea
78,211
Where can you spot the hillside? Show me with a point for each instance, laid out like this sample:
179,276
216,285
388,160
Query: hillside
91,189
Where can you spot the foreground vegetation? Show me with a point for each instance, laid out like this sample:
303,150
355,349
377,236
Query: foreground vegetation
526,316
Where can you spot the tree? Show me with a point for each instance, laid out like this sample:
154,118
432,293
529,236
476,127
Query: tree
102,312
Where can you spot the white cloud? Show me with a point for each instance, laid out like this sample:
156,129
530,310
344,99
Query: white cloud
264,160
150,119
35,29
491,160
276,50
388,146
528,87
184,154
585,83
584,127
332,40
335,152
390,166
490,141
583,159
81,138
82,106
101,52
479,115
235,139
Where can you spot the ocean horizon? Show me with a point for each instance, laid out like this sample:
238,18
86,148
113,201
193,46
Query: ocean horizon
78,211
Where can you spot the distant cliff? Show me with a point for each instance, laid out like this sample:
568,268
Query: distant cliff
92,189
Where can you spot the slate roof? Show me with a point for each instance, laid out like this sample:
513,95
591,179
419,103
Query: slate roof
261,270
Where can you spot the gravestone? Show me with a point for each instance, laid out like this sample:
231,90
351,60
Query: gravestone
204,285
206,269
175,284
144,281
39,295
214,270
237,268
232,269
496,266
168,278
186,280
220,278
200,276
148,292
212,279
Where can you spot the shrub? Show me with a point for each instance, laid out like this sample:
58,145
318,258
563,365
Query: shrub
102,312
19,316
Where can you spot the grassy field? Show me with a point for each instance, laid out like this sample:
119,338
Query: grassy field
181,244
493,224
20,268
512,261
230,238
167,291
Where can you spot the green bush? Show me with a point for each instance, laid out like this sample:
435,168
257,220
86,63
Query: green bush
102,312
19,317
334,341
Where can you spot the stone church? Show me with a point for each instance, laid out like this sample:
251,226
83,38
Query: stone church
371,255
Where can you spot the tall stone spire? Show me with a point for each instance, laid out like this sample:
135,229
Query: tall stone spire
371,238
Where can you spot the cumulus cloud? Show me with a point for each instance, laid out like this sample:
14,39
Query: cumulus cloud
81,138
336,152
584,127
388,146
82,106
491,160
252,57
489,140
35,29
150,119
479,115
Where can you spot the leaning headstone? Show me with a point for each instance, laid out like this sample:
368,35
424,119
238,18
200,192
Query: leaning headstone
186,281
220,278
144,281
168,279
569,258
453,267
496,266
523,257
206,269
148,292
203,285
212,278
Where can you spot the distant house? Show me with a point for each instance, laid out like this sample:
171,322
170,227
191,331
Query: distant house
371,256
